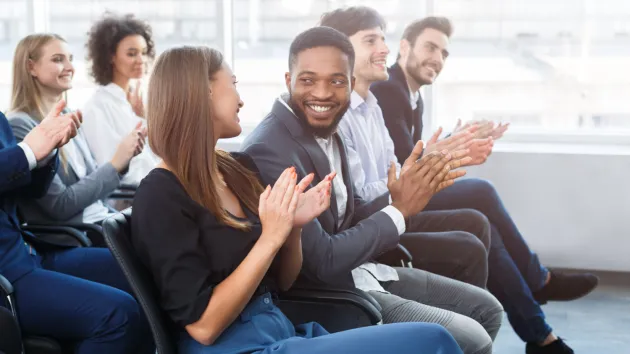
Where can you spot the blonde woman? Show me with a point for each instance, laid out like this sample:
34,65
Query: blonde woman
78,295
218,244
42,72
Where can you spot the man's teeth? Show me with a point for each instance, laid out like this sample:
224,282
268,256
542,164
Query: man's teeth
379,62
320,108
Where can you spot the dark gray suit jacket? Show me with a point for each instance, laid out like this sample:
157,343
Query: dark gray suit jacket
330,252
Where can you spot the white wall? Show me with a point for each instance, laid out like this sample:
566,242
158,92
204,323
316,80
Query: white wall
572,208
571,203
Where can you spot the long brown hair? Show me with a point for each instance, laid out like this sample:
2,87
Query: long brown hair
179,119
26,95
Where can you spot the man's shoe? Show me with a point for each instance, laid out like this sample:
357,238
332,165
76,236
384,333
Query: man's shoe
565,287
556,347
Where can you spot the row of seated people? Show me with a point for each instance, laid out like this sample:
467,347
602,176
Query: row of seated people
216,248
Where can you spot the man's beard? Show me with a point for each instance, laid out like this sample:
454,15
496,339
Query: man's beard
413,70
322,132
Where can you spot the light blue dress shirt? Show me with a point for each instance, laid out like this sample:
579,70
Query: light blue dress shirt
370,148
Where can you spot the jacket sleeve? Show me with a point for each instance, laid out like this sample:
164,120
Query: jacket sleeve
15,176
328,257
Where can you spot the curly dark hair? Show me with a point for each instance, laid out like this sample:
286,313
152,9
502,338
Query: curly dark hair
103,39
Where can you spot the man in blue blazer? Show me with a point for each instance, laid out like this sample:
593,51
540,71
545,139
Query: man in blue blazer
76,294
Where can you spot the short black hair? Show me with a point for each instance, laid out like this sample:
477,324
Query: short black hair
321,37
351,20
415,29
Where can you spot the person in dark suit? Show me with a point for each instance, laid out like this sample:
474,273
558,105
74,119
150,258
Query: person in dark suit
77,294
341,243
219,245
517,277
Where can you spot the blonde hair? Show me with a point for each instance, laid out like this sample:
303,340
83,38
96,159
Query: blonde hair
179,119
26,95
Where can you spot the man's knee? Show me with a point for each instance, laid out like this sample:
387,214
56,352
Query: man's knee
487,310
483,189
470,335
475,249
480,225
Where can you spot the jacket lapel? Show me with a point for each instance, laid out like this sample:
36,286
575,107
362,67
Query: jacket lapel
345,171
309,144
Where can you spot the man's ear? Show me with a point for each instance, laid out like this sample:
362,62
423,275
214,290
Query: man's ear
352,82
405,47
287,80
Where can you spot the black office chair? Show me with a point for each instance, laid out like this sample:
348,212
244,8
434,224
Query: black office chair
42,238
331,304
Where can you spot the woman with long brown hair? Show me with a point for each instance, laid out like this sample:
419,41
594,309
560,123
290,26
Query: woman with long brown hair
218,244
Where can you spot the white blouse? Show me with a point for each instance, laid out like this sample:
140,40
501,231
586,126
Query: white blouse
107,118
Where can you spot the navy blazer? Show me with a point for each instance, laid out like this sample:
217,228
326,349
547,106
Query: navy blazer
330,252
17,180
403,123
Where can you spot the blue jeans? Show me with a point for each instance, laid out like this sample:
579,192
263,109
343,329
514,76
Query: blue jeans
80,295
262,328
514,271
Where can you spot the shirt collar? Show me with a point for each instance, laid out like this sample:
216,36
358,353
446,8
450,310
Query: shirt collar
116,91
413,98
356,100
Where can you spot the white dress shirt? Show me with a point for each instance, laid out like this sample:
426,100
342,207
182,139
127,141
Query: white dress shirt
370,148
368,275
107,118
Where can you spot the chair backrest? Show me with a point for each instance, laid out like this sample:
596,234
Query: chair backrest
117,231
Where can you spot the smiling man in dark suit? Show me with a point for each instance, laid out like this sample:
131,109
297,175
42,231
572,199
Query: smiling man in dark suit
339,246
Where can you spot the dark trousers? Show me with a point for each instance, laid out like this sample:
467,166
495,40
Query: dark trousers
80,295
514,270
9,333
451,243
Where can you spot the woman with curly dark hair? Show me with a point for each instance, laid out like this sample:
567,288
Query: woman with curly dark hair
119,50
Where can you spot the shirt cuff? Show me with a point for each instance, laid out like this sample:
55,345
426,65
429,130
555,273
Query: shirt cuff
47,159
30,155
397,217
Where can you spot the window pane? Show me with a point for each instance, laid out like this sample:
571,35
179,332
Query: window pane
174,22
13,26
264,29
557,65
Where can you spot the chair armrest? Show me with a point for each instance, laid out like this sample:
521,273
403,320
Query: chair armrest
127,187
63,236
93,232
122,194
6,290
397,257
354,297
5,286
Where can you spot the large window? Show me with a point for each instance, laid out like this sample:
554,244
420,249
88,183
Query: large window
542,65
557,65
13,26
174,22
264,29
